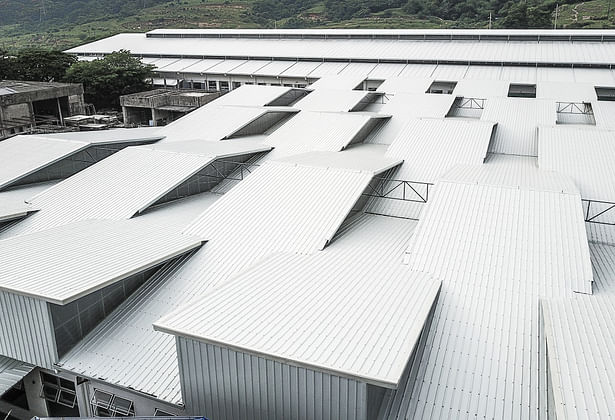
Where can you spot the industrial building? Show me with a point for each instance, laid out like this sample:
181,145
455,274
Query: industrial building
24,105
370,224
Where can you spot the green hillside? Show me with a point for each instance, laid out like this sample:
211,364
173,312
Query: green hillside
64,23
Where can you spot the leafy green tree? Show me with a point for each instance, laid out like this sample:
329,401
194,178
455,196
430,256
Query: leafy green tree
106,79
41,65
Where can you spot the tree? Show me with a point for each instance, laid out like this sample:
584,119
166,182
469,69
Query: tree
106,79
41,65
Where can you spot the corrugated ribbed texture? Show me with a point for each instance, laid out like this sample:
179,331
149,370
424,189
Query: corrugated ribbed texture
403,108
518,119
126,183
251,95
11,372
382,49
331,100
26,331
308,130
430,147
362,320
246,230
62,264
579,334
263,389
585,155
497,250
603,112
31,153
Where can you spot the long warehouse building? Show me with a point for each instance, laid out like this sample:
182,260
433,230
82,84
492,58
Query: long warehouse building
370,224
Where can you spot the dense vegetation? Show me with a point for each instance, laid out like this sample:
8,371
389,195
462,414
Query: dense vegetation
61,24
103,80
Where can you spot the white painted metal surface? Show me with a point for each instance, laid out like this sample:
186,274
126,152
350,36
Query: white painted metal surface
585,154
126,183
485,51
579,335
498,249
57,269
518,120
11,372
332,100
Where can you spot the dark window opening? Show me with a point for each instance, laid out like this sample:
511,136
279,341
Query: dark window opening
517,90
60,396
442,87
605,93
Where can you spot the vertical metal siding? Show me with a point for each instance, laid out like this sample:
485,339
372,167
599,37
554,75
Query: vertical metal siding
224,384
26,332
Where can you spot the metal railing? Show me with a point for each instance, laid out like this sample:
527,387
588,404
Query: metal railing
592,217
397,189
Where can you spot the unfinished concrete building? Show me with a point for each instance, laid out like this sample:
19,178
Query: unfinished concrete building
162,106
23,105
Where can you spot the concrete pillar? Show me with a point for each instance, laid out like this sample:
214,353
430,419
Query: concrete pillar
154,115
32,386
60,111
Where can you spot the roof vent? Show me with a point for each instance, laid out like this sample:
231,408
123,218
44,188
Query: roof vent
519,90
442,87
605,93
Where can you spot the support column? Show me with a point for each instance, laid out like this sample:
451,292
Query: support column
60,112
155,124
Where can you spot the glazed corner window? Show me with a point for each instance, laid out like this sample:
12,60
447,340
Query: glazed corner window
518,90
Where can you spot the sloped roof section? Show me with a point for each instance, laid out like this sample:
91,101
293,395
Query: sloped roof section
361,321
11,372
60,265
30,154
584,154
579,334
518,120
498,249
127,182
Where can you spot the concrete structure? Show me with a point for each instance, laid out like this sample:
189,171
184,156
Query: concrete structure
23,105
162,106
425,231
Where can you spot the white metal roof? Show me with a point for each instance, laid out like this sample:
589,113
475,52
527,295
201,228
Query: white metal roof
32,153
579,334
485,51
201,66
431,146
280,207
127,182
361,320
332,100
11,372
213,122
325,131
584,154
301,69
62,264
498,249
518,120
252,95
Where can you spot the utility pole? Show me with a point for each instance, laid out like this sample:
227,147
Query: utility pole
556,13
43,12
608,11
489,20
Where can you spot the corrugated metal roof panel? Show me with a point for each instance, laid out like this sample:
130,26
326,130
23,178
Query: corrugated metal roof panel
309,205
478,88
178,65
395,85
274,68
518,120
126,183
301,69
362,320
31,153
202,66
585,155
429,147
450,72
249,67
332,100
51,265
579,335
11,372
327,69
225,66
357,69
565,91
325,131
497,250
465,51
385,70
337,82
603,112
161,63
251,95
113,135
